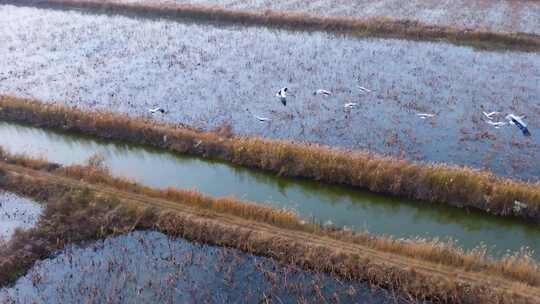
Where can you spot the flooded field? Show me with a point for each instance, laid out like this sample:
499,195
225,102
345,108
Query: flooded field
16,212
341,206
149,267
502,15
208,76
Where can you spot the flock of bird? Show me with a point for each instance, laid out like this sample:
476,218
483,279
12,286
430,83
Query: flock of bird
283,93
511,119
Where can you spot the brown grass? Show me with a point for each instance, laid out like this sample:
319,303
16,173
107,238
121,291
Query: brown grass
375,26
78,216
518,266
228,205
27,161
433,183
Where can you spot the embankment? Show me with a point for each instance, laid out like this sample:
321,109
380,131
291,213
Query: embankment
125,206
431,183
375,26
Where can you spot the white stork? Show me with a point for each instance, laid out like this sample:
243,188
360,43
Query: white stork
282,95
322,92
490,114
156,110
425,115
518,122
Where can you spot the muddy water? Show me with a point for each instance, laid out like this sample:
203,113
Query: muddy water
16,212
341,206
207,75
148,267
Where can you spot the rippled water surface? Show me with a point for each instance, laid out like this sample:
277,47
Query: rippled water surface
209,75
149,267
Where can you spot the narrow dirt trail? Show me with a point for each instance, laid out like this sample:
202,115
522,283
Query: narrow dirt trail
436,272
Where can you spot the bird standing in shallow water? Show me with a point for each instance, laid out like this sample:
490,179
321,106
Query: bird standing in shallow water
282,95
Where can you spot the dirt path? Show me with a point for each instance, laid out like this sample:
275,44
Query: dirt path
436,272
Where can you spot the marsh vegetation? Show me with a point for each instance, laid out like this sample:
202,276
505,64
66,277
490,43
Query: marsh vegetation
314,202
88,64
158,152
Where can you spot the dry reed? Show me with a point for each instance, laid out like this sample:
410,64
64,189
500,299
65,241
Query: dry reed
518,266
79,216
433,183
375,26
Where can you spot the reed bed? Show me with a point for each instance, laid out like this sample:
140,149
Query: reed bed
229,205
517,266
431,183
375,26
79,216
174,271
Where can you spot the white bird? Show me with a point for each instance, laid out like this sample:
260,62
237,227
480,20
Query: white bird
282,95
518,122
350,105
364,89
490,114
260,118
322,92
496,124
158,109
425,115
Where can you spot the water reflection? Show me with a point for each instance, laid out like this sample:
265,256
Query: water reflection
149,267
342,206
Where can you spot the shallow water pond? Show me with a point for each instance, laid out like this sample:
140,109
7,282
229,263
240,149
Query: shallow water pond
149,267
16,212
502,15
313,201
209,75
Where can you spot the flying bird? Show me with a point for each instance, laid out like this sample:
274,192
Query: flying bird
364,89
260,118
350,105
518,122
282,95
490,114
496,124
322,92
158,109
425,115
